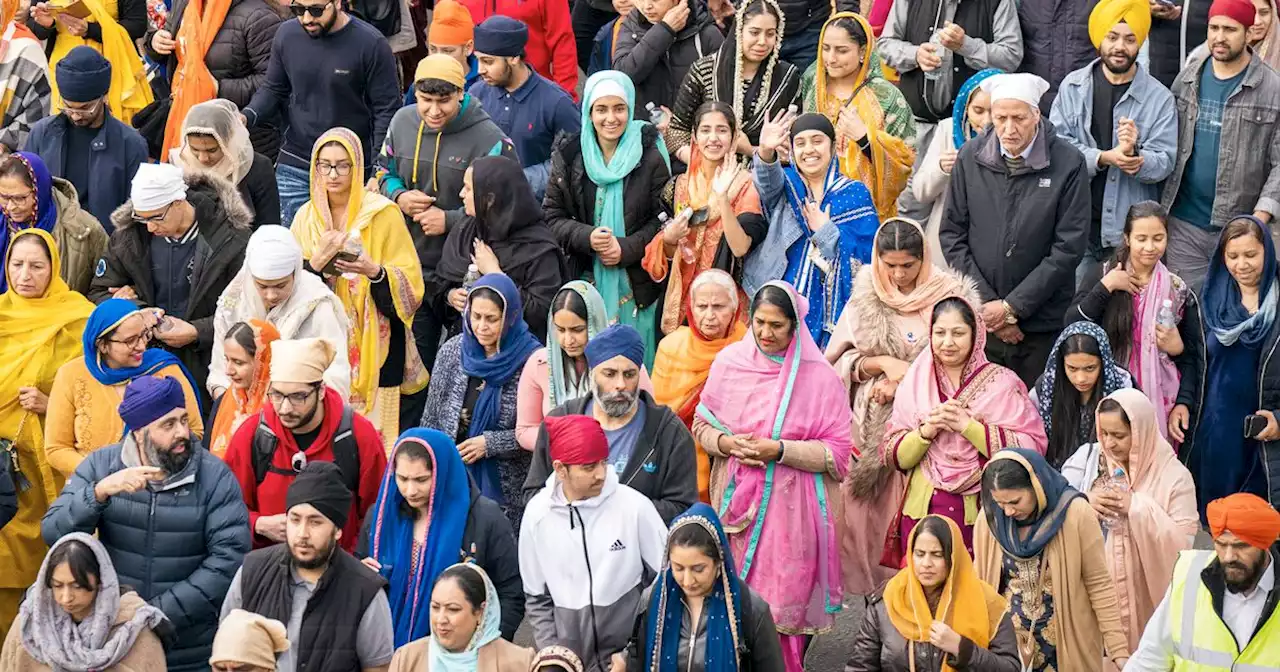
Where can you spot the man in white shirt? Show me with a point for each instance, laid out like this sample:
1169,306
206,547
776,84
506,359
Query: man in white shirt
1220,611
589,546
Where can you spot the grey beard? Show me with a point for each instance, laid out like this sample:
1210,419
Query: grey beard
615,408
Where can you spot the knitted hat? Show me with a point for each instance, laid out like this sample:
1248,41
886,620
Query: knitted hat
451,24
83,75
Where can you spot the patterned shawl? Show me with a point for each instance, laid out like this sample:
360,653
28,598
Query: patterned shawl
564,387
45,214
1113,378
961,131
1053,498
776,82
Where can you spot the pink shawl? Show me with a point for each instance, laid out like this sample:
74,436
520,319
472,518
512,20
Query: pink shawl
778,518
993,395
1162,516
1153,371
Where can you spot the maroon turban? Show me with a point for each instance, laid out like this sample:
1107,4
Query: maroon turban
576,439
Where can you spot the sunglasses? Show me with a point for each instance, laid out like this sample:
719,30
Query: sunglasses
316,11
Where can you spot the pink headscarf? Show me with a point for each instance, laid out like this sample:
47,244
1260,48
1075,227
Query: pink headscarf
993,396
792,557
1154,373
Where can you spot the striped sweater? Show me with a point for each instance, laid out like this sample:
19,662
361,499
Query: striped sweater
25,73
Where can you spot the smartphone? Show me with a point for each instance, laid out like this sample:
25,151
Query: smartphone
699,216
1254,425
1168,3
332,267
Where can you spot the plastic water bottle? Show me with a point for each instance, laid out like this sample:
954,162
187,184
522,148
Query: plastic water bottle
469,280
1165,317
686,248
656,116
1117,483
940,52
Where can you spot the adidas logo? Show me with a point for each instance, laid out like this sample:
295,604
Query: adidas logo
617,545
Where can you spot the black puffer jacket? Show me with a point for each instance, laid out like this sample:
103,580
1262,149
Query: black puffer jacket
1269,398
1173,41
657,59
570,208
237,58
224,222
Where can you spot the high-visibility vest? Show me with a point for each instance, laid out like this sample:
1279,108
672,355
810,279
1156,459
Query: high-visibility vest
1202,642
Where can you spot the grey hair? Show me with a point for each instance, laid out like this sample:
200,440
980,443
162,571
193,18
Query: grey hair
718,278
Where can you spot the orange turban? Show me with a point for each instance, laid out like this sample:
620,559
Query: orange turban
1247,516
451,24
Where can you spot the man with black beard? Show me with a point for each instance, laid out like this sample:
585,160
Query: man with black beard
649,447
304,421
328,69
334,608
168,512
1220,611
1122,119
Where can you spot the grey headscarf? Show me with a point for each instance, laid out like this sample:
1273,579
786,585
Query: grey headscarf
50,636
219,118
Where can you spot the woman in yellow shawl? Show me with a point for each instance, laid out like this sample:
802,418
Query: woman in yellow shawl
936,613
41,321
109,32
683,362
875,131
377,277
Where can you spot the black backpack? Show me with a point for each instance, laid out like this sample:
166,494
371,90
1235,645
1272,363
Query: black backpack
381,14
346,454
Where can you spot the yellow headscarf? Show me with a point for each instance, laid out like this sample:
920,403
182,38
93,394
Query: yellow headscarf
382,232
1107,13
130,91
968,605
37,336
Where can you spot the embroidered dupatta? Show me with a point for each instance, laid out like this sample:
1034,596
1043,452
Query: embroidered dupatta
781,531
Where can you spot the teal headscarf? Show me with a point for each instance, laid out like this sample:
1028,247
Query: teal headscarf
490,628
608,176
563,386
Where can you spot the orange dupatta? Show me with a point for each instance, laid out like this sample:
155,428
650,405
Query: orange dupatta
193,83
238,405
969,605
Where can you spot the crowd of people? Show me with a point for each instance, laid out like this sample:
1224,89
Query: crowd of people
399,335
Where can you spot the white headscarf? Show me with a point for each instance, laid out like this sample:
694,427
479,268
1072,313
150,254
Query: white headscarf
155,186
219,119
1022,86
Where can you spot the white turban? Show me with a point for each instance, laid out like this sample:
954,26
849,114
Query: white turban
273,253
1022,86
303,360
156,185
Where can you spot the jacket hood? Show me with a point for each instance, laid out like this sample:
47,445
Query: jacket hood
215,199
77,222
699,17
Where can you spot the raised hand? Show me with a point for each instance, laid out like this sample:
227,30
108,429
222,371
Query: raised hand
725,175
774,133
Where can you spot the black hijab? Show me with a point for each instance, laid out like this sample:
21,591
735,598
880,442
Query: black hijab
508,219
775,85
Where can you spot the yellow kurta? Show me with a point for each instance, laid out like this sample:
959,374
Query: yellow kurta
36,337
82,414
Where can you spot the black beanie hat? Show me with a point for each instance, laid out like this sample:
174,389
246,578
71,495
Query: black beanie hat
320,485
83,75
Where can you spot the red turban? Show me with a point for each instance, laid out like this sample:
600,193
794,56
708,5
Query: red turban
576,439
1240,11
1247,516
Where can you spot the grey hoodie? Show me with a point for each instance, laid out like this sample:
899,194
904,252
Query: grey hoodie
441,157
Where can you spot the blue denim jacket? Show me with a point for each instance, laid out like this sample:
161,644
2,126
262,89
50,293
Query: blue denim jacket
1150,105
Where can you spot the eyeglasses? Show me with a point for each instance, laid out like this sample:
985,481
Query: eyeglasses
83,112
316,11
339,169
295,399
133,343
16,199
153,219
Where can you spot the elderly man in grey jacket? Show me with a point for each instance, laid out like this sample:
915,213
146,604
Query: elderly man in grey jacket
1228,161
1015,222
169,513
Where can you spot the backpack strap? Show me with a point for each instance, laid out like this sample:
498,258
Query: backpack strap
346,452
263,450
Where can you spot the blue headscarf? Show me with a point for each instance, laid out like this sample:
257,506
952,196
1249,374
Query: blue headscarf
1053,497
391,532
1224,315
106,317
440,659
960,133
723,606
515,344
46,213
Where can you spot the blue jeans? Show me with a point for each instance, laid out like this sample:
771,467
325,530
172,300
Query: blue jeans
295,190
802,49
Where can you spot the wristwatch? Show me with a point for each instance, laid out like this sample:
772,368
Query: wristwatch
1010,317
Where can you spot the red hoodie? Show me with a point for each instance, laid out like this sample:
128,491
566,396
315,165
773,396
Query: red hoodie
551,50
268,499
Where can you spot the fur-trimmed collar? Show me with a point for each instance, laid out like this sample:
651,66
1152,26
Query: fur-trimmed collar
213,198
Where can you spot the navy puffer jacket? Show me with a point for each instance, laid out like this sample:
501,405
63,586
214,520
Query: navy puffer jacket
178,544
1055,38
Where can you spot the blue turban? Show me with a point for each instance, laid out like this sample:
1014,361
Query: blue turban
83,75
501,36
148,399
620,339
